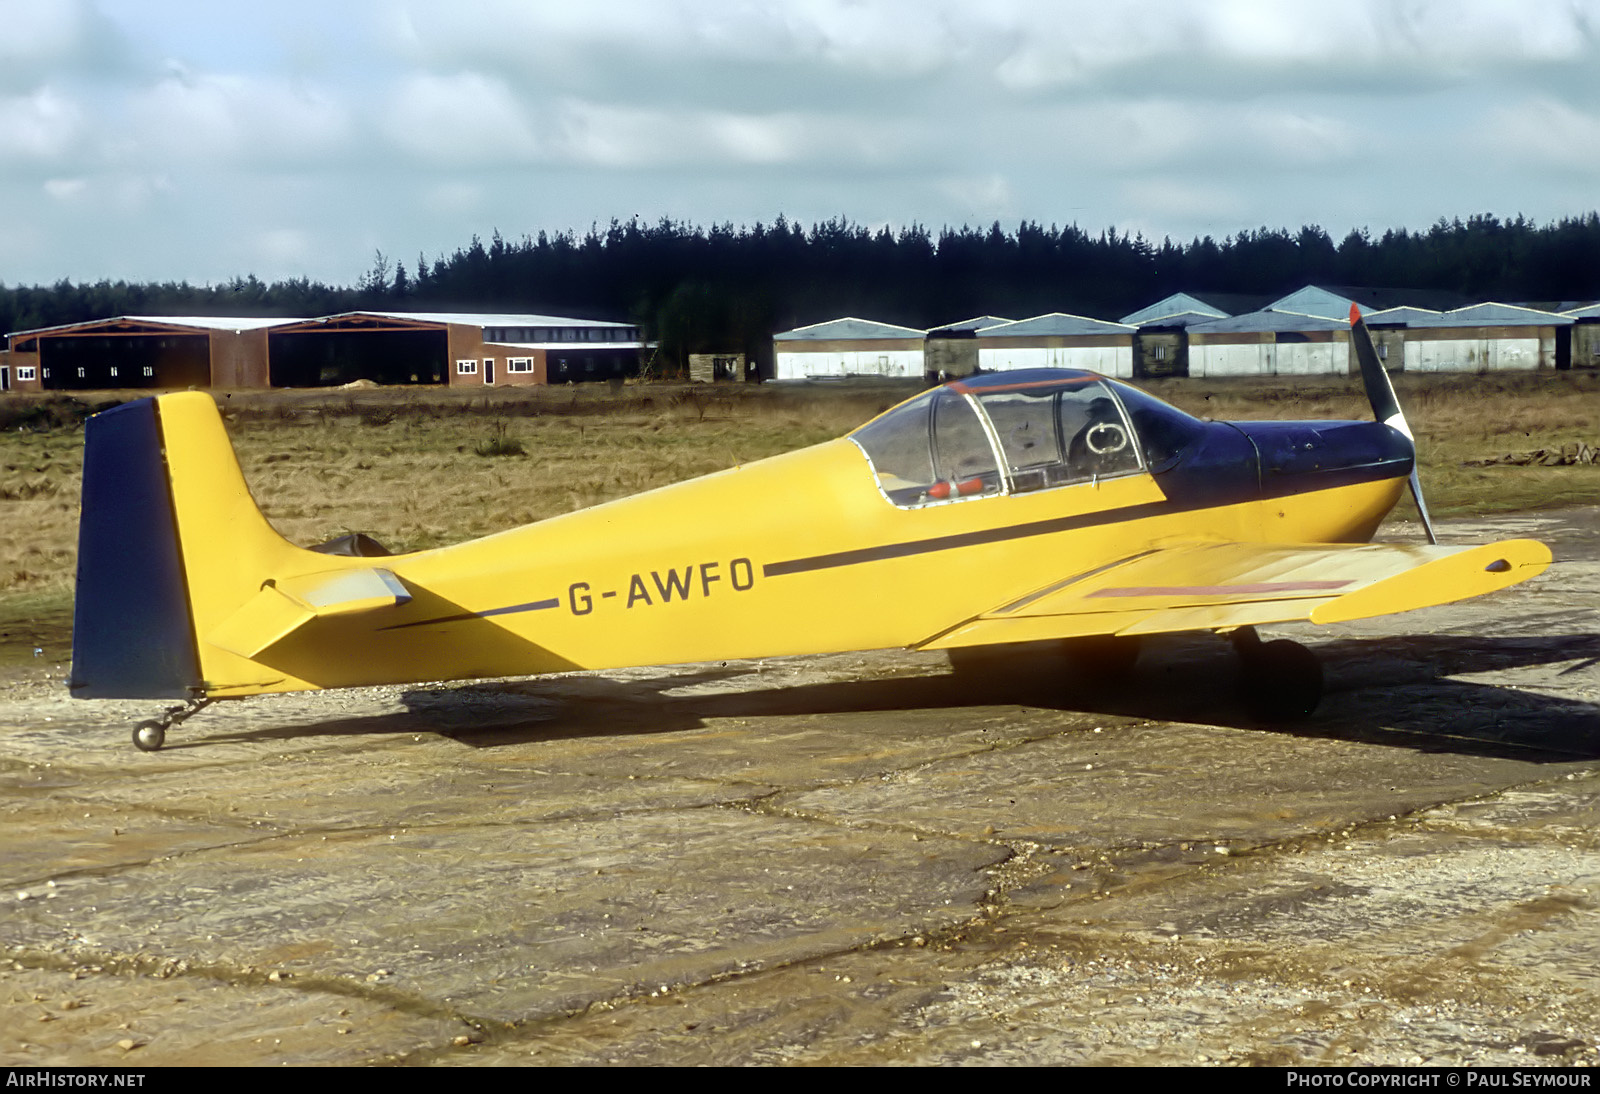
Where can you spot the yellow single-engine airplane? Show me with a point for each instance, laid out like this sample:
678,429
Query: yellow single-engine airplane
1047,504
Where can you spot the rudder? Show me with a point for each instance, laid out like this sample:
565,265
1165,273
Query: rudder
170,543
132,630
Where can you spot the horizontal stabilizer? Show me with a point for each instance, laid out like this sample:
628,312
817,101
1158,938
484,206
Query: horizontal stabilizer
284,606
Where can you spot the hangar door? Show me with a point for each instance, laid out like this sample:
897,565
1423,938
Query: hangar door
90,361
329,358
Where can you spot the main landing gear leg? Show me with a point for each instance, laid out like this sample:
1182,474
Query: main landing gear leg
149,736
1279,681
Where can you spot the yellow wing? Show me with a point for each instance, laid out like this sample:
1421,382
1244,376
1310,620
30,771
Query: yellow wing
1220,586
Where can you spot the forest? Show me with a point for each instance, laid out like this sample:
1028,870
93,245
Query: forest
729,289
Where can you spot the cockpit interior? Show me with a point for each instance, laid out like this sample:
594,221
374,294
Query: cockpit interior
1010,433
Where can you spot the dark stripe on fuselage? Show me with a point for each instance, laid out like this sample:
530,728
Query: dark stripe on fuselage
1216,475
969,539
534,606
1325,480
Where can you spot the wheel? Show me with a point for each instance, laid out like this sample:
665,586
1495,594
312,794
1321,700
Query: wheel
1280,681
149,736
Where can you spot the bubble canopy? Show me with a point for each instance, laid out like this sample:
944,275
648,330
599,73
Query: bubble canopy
1015,432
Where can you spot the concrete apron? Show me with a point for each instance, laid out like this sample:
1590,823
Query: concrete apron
842,860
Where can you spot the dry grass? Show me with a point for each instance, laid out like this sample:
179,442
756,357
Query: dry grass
411,474
402,465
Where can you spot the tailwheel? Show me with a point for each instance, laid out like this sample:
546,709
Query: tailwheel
1279,681
149,736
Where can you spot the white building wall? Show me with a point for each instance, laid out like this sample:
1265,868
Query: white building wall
1269,359
798,366
1231,359
1312,359
1472,354
1114,361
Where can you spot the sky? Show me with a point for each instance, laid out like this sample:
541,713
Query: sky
157,140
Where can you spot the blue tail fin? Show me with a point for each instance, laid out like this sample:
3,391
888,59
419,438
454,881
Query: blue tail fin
132,635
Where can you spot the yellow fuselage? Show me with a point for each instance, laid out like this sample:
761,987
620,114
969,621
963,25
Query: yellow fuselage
798,554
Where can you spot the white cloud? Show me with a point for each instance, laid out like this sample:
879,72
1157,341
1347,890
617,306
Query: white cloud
415,123
887,38
1153,201
879,36
35,30
223,119
468,118
633,137
1539,131
1275,41
66,189
43,125
1289,136
982,197
453,198
1493,33
279,247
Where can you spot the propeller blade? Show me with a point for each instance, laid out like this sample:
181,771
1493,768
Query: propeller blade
1422,506
1380,392
1385,407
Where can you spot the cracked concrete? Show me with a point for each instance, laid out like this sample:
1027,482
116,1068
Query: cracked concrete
853,859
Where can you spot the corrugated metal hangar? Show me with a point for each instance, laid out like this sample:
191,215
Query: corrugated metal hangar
848,347
1214,334
140,351
1058,340
453,348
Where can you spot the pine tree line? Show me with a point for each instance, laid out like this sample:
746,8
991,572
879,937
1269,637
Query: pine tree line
726,288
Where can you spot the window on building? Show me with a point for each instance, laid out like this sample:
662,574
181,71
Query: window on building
1161,353
148,371
113,370
519,364
80,374
466,368
1383,352
25,372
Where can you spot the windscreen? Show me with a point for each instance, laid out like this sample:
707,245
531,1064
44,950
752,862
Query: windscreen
937,448
932,449
1164,431
1061,434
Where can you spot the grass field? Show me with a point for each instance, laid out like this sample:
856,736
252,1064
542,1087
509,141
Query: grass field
405,466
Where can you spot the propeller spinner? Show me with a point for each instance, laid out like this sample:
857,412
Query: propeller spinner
1380,393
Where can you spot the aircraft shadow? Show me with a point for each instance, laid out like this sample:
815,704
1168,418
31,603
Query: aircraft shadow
1393,691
